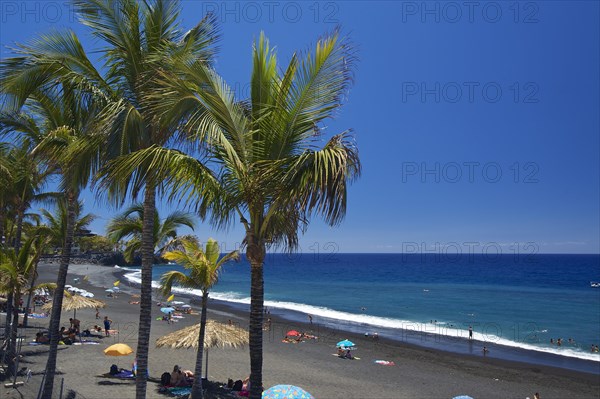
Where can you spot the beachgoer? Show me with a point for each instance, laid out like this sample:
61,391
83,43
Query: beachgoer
177,377
348,354
97,313
341,352
245,387
485,351
470,332
310,319
229,323
75,324
41,338
536,396
551,341
107,323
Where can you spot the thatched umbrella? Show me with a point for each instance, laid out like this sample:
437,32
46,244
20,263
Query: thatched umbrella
74,302
217,335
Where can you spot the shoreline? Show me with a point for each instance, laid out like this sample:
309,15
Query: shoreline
422,339
418,372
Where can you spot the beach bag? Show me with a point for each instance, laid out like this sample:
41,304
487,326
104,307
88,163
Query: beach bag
114,369
165,379
237,386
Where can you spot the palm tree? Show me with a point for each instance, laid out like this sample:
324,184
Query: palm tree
204,267
55,121
130,223
56,221
140,39
273,167
41,238
15,270
25,186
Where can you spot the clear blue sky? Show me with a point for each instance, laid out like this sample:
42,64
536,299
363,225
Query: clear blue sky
478,125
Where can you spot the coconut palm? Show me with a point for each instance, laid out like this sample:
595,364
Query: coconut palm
25,187
130,223
204,267
56,221
55,119
273,165
16,269
140,39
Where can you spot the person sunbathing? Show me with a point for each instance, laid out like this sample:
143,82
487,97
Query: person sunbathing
178,378
41,338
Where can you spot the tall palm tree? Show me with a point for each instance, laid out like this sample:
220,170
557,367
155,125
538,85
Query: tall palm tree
130,223
25,187
273,166
140,39
204,267
55,120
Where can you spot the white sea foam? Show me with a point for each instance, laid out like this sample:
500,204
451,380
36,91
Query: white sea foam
439,328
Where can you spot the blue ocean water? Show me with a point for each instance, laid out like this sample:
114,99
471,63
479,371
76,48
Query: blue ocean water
515,301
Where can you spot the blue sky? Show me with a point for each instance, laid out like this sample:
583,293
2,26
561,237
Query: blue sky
477,123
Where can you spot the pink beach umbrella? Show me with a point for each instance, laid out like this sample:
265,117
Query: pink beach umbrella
286,392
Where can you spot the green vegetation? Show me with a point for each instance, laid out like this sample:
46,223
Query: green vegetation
157,121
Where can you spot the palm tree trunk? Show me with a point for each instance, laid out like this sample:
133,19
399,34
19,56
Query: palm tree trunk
9,310
28,304
146,291
256,255
197,387
19,231
12,304
12,342
58,297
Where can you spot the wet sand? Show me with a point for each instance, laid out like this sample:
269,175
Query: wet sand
418,372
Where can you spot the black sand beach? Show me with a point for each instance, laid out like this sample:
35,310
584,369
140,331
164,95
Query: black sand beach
418,372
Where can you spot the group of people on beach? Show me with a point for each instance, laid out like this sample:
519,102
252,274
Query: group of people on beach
571,341
177,378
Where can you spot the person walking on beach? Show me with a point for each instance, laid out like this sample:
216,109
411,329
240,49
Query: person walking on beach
470,332
107,323
97,312
310,319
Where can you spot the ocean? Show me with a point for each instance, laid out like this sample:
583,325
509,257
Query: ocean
514,304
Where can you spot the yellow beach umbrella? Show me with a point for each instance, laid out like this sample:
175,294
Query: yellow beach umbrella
118,350
169,299
116,283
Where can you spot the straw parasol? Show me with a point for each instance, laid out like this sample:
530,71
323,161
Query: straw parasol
75,302
216,335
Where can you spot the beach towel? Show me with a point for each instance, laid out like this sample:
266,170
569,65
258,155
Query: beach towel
124,374
180,391
38,315
385,362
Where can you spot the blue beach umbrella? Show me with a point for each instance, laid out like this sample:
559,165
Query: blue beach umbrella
345,344
462,397
286,392
167,310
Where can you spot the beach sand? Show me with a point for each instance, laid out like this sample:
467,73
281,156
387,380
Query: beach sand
418,372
